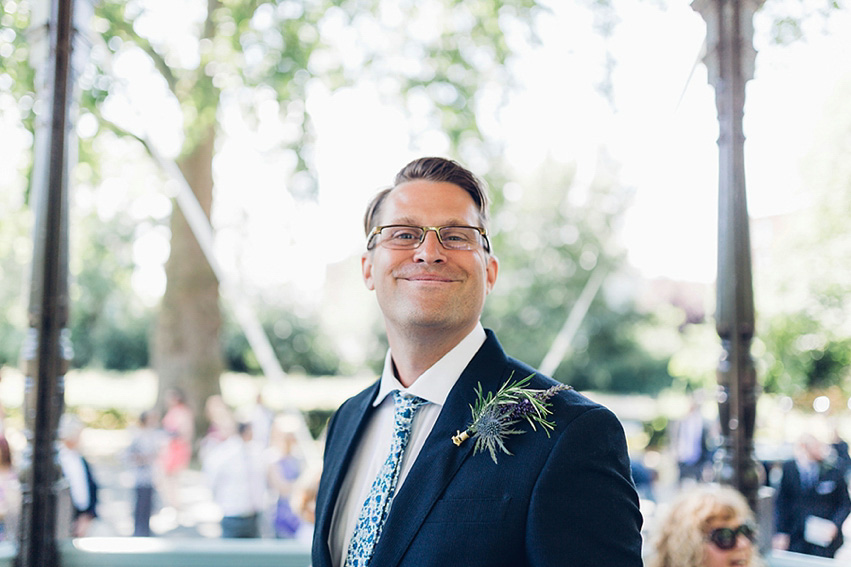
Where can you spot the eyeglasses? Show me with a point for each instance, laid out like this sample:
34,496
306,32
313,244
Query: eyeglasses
725,538
406,237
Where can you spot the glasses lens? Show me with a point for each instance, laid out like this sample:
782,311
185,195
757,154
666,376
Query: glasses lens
748,531
459,237
403,237
725,538
400,236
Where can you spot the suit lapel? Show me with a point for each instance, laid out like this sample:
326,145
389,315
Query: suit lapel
440,459
339,454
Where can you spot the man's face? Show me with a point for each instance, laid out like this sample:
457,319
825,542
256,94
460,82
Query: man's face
430,287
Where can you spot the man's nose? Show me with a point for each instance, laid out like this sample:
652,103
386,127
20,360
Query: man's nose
431,250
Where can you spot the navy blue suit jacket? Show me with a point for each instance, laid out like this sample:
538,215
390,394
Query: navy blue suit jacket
566,499
827,499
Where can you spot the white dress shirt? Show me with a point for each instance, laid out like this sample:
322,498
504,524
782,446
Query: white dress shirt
75,472
236,473
433,385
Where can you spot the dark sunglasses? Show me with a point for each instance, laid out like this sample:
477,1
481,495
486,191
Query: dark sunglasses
725,538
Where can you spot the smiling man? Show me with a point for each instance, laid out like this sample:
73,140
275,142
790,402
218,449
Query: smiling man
401,485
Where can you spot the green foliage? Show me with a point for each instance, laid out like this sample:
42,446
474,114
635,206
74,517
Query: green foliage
801,355
804,327
109,326
250,52
695,360
549,240
102,418
796,20
16,73
15,252
300,346
611,359
16,105
112,341
317,421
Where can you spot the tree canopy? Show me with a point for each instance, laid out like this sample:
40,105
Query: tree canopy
206,67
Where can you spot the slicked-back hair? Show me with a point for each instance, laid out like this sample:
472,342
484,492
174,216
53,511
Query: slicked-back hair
438,170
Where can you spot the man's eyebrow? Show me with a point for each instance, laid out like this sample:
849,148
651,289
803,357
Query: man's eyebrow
413,222
404,220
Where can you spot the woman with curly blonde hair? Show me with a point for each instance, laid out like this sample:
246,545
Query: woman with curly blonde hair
707,526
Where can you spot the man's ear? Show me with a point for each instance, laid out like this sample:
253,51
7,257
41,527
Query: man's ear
366,268
492,271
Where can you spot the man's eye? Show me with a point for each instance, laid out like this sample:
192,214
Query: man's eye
457,235
404,234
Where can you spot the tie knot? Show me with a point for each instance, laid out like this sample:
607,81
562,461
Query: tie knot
407,403
406,407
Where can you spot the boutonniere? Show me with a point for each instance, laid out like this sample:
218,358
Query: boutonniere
495,415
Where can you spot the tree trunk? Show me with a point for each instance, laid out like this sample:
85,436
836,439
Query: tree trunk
186,350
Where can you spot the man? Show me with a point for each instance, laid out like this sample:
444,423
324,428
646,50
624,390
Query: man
83,487
237,476
812,502
560,499
691,446
141,455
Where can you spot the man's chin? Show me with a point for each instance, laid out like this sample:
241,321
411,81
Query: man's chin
430,320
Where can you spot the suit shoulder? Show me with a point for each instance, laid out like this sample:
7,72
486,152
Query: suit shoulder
568,399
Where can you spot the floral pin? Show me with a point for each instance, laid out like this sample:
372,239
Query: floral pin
495,415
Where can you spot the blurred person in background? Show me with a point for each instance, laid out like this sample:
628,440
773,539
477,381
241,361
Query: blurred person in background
10,493
261,419
236,474
284,470
644,478
304,502
78,472
690,442
2,409
178,423
142,455
839,446
812,502
221,424
707,525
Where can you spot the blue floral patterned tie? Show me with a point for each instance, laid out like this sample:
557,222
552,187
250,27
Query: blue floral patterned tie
380,497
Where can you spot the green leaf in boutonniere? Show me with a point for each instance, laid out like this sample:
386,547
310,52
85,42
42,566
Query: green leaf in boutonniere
495,415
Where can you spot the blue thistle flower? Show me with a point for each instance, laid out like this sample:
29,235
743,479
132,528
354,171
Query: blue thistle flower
495,414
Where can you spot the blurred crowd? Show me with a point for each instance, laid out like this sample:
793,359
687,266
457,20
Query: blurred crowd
258,479
703,524
262,485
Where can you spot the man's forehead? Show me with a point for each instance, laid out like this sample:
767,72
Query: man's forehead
420,197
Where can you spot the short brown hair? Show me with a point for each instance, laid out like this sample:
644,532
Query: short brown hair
5,452
438,170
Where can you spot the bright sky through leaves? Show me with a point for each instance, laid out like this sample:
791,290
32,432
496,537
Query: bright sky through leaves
661,126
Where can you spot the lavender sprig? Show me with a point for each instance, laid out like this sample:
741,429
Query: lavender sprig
494,415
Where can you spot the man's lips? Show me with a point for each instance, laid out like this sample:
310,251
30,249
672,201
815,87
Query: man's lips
426,277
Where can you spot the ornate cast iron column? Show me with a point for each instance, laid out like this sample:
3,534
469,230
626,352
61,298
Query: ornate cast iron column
46,352
730,59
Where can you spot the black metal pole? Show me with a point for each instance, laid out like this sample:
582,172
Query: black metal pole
730,60
45,352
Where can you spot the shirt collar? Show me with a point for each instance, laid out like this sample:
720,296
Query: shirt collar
435,383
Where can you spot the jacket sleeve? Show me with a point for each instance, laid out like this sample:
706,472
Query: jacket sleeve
584,509
843,504
782,504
